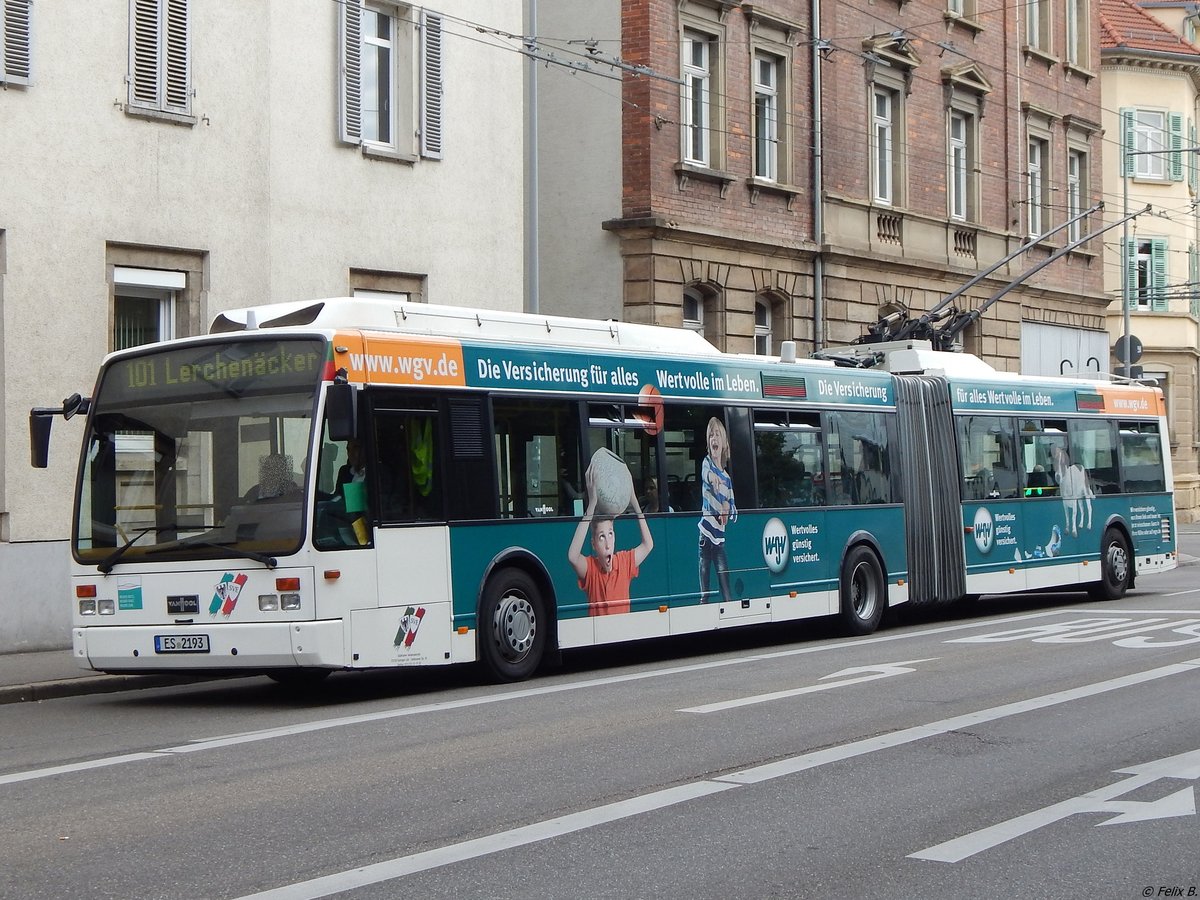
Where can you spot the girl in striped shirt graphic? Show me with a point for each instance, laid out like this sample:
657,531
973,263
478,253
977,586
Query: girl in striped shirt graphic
717,510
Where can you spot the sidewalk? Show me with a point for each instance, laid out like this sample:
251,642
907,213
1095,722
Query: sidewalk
48,674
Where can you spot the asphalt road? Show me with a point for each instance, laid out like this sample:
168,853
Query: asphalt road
1031,747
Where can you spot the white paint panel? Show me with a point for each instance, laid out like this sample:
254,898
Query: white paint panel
1055,350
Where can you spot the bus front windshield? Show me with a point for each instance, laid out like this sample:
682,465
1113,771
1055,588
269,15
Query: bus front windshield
199,451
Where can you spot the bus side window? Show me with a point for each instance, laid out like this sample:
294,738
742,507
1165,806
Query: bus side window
538,468
685,438
407,468
1141,457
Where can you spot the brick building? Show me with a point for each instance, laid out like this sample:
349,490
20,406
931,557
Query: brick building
945,135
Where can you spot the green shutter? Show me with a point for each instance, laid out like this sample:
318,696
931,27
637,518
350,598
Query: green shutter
1127,120
1193,277
1192,170
1158,275
1176,122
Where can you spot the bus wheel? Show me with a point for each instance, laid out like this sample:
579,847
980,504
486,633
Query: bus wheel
1116,567
512,626
863,591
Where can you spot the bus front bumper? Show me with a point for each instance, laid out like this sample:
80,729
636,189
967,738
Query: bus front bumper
224,647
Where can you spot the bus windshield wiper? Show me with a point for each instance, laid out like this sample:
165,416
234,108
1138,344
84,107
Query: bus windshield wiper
266,559
106,564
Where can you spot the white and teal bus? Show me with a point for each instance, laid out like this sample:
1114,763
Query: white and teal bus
353,484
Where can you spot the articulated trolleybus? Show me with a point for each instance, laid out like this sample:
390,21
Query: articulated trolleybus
346,484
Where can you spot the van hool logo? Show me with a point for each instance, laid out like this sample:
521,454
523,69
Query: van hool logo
775,545
985,530
225,597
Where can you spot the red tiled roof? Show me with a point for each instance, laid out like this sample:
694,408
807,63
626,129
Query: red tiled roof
1125,25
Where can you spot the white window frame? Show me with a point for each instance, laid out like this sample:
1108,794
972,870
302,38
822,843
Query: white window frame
16,42
150,284
762,327
415,79
1037,177
696,56
693,310
1077,31
1077,162
960,160
160,56
767,114
1038,25
1151,142
883,143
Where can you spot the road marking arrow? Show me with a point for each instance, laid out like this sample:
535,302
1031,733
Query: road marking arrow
846,677
1185,766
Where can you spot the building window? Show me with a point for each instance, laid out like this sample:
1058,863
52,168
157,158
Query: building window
697,56
15,44
160,67
693,310
883,152
1076,191
1153,141
1146,274
962,165
1037,24
766,116
1078,32
762,328
1037,199
376,41
144,305
397,287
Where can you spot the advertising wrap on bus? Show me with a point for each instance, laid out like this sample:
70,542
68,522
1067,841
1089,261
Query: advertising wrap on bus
327,495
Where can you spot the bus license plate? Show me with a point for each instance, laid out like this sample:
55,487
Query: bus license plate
181,643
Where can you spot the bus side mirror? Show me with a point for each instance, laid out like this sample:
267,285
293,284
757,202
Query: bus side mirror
40,421
341,412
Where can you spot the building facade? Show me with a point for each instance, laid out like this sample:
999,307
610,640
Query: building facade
795,170
1151,76
163,160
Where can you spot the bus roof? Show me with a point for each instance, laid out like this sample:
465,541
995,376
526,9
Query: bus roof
405,317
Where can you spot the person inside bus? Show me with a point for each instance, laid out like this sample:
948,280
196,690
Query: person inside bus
1038,477
276,480
606,574
355,467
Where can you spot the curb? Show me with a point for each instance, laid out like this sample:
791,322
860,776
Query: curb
92,684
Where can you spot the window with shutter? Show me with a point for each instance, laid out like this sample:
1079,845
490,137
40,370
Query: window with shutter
376,71
431,84
15,44
160,56
1158,275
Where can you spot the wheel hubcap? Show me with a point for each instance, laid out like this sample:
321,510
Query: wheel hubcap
1118,563
863,596
515,626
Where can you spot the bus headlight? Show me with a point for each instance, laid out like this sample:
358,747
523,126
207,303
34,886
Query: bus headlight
291,601
87,607
108,607
268,602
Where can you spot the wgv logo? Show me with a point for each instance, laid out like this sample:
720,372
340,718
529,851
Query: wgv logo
985,530
775,545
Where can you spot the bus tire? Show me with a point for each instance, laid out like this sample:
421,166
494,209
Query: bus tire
512,626
1116,567
863,591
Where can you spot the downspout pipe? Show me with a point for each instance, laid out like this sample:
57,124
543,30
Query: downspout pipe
818,185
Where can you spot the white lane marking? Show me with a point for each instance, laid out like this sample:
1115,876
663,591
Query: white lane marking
267,734
74,767
847,677
1184,766
1181,593
494,843
400,866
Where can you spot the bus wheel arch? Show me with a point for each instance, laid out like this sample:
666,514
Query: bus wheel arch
1116,563
516,626
862,589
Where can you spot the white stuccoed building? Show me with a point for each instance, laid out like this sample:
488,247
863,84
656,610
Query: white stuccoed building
164,160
